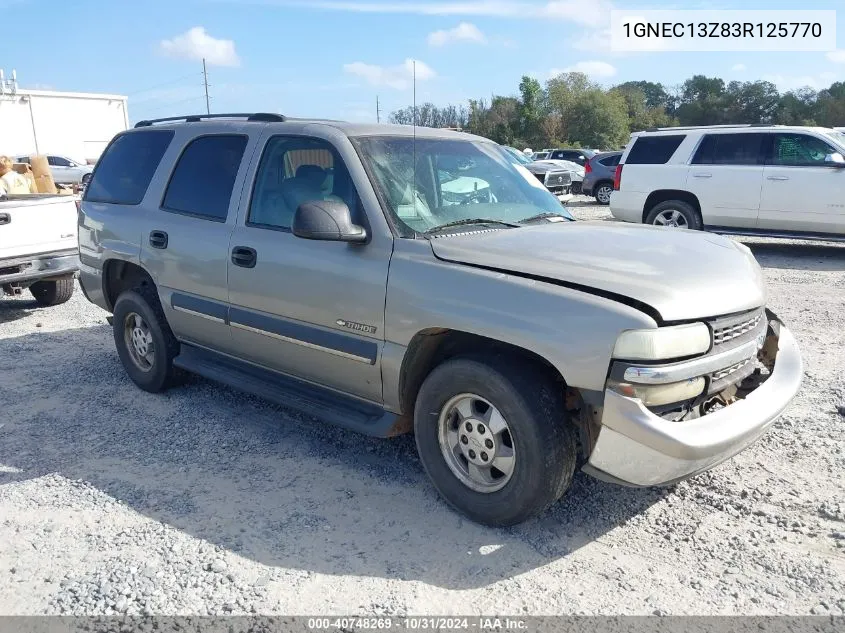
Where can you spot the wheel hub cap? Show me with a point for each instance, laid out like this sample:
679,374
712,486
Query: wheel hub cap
672,218
139,341
476,443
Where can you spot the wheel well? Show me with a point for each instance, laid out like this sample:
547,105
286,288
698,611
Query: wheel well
431,347
662,195
119,276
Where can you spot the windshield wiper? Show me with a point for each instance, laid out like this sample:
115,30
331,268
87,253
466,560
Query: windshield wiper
448,225
542,216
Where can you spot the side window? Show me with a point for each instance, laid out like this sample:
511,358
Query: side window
611,161
204,177
57,161
654,150
557,155
127,166
798,150
293,170
729,149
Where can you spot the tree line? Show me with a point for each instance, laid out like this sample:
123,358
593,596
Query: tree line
573,111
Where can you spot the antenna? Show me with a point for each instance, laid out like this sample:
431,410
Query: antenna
205,81
378,111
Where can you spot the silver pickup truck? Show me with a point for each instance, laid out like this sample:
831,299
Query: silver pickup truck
337,268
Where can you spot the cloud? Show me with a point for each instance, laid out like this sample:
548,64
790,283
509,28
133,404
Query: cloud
196,44
464,32
786,83
591,68
597,13
739,68
399,77
837,56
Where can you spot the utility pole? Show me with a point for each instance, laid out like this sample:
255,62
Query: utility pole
378,111
205,81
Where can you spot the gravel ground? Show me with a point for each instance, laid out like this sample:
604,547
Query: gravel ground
204,500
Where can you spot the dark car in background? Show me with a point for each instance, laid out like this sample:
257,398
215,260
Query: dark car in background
598,176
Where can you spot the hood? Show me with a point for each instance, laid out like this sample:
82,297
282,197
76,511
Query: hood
679,273
542,166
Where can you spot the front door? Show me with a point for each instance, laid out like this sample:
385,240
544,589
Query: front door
311,309
800,191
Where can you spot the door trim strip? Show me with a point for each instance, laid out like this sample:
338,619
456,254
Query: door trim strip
305,335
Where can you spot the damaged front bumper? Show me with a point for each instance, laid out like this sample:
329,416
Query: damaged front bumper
639,448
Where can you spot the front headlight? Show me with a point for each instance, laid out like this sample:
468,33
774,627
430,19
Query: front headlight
663,343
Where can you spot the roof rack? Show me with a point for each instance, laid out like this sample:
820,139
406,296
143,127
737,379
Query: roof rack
265,117
709,127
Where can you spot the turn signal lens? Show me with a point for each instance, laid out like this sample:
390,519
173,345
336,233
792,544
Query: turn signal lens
657,395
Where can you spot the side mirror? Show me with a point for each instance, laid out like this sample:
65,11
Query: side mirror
327,220
835,160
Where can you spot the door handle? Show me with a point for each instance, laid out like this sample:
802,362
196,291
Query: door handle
244,256
702,175
158,239
5,218
778,177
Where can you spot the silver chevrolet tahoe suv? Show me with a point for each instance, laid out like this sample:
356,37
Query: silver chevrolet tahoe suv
391,280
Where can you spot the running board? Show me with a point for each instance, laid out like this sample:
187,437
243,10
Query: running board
790,235
290,392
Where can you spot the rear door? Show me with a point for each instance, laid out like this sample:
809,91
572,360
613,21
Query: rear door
801,192
311,309
185,239
726,175
36,224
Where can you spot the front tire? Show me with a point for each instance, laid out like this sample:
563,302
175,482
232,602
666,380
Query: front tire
52,293
144,341
493,438
676,214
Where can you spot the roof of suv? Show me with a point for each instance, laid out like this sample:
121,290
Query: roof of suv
349,129
716,129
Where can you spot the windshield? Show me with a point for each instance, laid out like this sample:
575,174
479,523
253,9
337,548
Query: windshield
454,180
837,136
521,158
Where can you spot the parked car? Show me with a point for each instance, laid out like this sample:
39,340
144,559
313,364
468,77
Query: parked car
781,181
578,156
38,247
65,171
555,178
505,336
599,172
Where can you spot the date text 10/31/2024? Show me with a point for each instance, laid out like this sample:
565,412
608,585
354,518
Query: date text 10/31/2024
417,624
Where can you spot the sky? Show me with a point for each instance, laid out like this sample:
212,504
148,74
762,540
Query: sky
334,58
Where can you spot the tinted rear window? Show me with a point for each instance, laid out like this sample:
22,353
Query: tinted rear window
611,161
204,177
730,149
654,150
127,166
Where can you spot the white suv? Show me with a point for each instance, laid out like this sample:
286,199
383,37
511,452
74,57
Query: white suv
772,180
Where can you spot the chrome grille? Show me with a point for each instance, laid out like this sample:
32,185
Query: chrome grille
727,371
558,179
730,332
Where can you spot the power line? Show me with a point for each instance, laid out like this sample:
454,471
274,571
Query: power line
162,85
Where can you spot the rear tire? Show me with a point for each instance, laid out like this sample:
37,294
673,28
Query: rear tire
144,341
602,193
539,442
674,213
52,293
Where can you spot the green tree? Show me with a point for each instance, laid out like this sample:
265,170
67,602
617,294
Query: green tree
702,101
751,102
530,109
599,119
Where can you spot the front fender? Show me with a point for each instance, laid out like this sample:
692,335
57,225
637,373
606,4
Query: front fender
573,330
